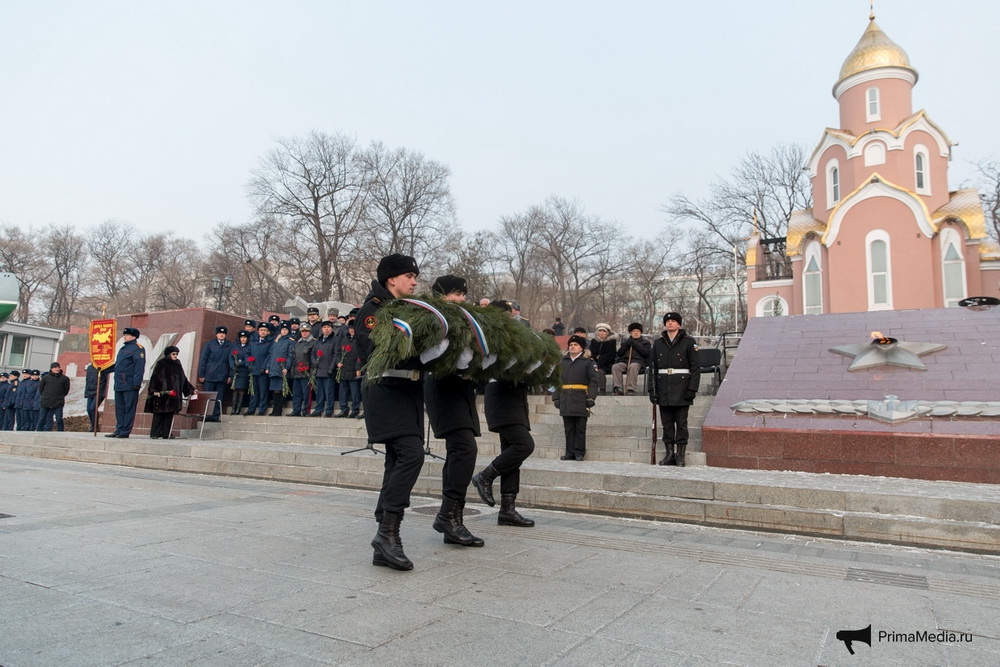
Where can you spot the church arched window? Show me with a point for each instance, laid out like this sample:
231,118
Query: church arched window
921,173
872,110
879,270
832,183
952,268
812,280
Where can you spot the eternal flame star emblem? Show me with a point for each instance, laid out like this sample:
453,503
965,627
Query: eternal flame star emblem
884,351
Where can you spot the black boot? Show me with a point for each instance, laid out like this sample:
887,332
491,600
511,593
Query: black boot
237,403
670,459
277,403
460,518
681,450
344,413
449,522
508,515
483,481
388,545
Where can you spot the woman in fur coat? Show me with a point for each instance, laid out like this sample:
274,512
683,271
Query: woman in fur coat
167,387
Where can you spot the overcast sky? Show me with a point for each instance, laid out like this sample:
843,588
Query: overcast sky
156,112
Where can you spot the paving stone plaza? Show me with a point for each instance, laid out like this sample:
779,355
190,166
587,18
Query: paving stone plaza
113,565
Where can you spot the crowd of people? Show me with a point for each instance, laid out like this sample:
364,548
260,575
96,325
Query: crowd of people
33,401
319,364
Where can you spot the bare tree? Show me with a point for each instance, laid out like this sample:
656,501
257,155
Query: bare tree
578,253
69,260
652,262
989,177
313,187
771,186
23,254
408,205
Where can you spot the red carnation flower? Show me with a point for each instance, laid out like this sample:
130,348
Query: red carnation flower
281,360
319,353
235,353
173,393
303,367
347,348
251,359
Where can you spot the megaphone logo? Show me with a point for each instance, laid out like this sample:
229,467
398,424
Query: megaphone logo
849,636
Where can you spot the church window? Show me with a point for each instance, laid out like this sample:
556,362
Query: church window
873,112
812,281
879,271
772,306
832,183
952,268
921,173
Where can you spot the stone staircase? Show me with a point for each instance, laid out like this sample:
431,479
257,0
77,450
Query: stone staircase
620,429
948,515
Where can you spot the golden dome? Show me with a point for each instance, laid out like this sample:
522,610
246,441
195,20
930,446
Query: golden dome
874,50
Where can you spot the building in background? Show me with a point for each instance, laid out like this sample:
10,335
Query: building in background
884,232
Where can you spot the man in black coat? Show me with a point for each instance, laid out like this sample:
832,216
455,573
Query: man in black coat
506,407
602,352
213,369
451,408
324,355
674,385
394,412
52,391
633,356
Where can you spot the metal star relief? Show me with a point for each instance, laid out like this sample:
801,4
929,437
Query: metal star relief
896,353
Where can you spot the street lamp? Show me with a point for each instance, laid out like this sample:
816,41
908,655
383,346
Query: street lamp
220,288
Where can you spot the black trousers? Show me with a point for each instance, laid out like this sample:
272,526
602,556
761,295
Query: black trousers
516,445
459,463
404,457
576,435
675,424
160,426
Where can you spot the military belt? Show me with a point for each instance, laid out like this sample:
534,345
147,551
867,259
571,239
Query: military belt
584,387
405,375
673,371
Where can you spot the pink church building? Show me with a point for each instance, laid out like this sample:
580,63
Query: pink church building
884,232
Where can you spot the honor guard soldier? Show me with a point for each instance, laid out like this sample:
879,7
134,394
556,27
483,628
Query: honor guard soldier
579,391
451,409
130,368
506,406
213,368
394,412
675,373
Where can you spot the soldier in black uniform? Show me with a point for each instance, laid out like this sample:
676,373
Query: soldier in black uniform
674,385
506,406
451,408
394,412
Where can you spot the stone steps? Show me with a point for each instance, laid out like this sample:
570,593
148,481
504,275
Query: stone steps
619,430
930,514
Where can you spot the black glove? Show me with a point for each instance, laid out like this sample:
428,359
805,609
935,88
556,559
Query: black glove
556,403
590,403
652,398
690,394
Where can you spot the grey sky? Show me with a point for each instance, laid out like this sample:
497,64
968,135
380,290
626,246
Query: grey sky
156,112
